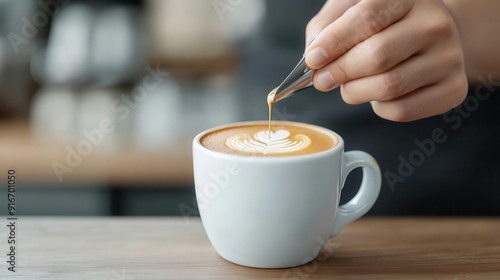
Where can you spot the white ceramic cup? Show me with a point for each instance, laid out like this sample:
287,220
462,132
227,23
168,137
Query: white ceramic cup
276,212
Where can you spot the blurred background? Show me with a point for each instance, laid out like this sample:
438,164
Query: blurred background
99,102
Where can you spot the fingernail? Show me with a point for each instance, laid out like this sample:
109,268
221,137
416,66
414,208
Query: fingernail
317,57
324,80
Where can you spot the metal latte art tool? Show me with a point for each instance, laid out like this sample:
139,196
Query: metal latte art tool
300,78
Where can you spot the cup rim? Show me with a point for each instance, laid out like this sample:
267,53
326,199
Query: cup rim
197,143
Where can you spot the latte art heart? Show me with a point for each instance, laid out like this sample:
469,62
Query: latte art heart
280,141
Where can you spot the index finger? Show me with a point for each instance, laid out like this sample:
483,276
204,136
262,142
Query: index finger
358,23
330,12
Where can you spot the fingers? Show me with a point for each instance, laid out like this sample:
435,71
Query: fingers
388,53
375,55
416,72
425,102
409,76
386,49
358,23
331,11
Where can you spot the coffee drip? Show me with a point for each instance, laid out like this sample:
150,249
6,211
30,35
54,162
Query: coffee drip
300,78
270,103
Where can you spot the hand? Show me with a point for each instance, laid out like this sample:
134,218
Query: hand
403,56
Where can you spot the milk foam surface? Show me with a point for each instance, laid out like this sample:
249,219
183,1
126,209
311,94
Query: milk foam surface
285,140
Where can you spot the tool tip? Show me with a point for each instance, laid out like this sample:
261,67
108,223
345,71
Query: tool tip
271,96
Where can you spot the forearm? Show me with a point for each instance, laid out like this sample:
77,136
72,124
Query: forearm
478,23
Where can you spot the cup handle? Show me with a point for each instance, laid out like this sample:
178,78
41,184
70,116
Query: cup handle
368,191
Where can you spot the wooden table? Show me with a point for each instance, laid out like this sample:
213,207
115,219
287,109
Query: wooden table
176,248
